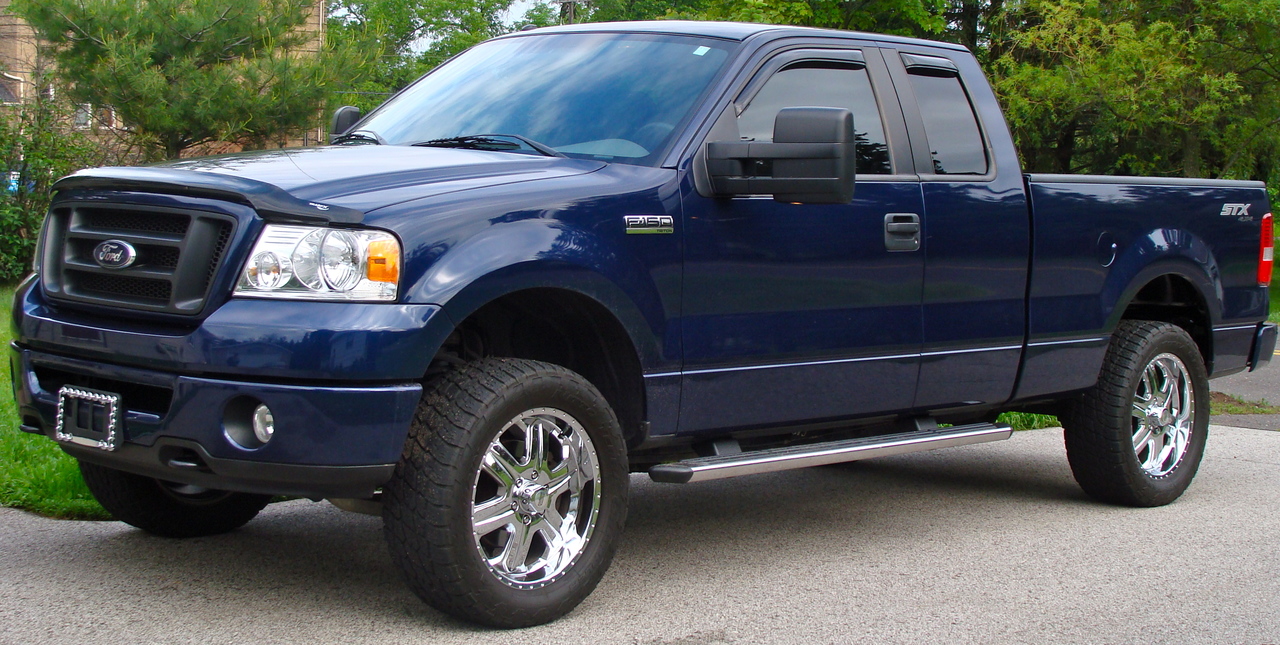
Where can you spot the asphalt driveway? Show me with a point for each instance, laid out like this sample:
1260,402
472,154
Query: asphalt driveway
980,544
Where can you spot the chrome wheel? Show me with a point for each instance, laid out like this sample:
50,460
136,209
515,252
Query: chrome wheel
536,498
1163,413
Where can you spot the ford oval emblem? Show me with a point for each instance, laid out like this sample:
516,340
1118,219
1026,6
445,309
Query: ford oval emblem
114,254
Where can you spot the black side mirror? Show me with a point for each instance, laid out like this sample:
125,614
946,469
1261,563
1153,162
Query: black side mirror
343,119
811,159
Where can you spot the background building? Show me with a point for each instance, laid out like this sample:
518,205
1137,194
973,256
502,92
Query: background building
17,56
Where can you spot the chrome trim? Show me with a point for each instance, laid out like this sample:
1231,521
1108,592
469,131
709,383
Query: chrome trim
112,402
649,224
1164,414
1237,327
1044,343
537,509
837,361
115,254
975,350
789,457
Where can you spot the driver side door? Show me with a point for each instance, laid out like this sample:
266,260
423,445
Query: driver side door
805,312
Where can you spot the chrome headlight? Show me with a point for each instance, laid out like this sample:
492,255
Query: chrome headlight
313,263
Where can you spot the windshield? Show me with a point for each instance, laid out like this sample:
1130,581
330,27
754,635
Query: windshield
614,97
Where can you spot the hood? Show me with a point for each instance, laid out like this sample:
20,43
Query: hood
369,177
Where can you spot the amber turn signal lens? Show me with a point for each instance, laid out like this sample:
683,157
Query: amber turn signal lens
383,261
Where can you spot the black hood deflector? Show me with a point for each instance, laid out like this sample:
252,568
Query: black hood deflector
270,201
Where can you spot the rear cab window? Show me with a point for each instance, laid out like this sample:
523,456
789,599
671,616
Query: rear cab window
956,146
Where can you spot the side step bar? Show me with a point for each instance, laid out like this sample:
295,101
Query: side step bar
820,454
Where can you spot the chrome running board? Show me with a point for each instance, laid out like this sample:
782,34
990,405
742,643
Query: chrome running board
820,454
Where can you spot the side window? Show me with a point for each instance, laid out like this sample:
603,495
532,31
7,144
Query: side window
949,124
821,84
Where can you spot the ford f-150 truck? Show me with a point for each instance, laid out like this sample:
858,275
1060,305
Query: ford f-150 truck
697,250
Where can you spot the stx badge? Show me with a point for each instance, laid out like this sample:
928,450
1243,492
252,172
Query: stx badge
1238,211
646,224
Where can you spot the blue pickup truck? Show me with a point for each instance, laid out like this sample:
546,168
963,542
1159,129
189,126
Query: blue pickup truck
696,250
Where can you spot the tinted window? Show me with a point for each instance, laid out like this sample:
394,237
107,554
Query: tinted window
822,85
950,125
616,97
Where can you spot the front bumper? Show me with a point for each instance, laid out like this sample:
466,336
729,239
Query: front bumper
330,441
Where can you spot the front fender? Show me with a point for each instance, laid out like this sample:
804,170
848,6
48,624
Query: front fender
535,253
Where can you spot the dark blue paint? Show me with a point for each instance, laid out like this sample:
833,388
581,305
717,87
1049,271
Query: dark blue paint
1158,230
249,337
751,314
315,425
774,283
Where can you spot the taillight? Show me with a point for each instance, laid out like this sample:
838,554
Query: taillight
1266,250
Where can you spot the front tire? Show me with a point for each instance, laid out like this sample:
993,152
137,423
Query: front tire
1137,437
168,509
506,507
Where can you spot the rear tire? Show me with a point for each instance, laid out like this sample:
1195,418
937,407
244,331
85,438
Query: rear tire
168,509
507,504
1137,437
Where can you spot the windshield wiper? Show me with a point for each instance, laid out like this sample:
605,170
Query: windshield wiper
501,142
362,136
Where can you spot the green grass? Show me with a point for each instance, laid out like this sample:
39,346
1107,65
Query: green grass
1028,421
1227,404
1275,301
35,475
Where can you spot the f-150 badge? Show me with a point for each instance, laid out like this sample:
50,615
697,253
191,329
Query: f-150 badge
1238,211
643,224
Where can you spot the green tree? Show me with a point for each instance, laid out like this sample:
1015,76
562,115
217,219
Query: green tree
1157,87
38,145
615,10
410,37
903,17
186,72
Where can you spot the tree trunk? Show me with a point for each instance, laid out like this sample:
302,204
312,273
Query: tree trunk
1191,153
1066,148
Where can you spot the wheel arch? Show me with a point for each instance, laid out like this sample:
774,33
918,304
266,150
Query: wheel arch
1176,291
560,325
584,304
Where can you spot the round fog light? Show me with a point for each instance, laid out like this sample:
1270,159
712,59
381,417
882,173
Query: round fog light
264,425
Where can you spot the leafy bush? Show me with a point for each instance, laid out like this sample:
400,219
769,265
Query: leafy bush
38,145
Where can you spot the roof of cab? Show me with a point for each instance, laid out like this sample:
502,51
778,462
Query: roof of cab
727,30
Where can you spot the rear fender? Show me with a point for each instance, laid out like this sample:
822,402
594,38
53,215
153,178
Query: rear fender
1162,252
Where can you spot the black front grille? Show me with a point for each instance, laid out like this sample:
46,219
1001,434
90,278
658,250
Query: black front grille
219,247
114,219
123,285
176,256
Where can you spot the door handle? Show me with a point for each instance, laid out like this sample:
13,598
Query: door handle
902,232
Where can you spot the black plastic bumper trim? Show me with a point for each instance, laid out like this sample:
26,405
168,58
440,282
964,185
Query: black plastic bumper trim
239,475
1264,346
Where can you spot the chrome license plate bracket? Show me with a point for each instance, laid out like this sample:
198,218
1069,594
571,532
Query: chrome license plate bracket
88,417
